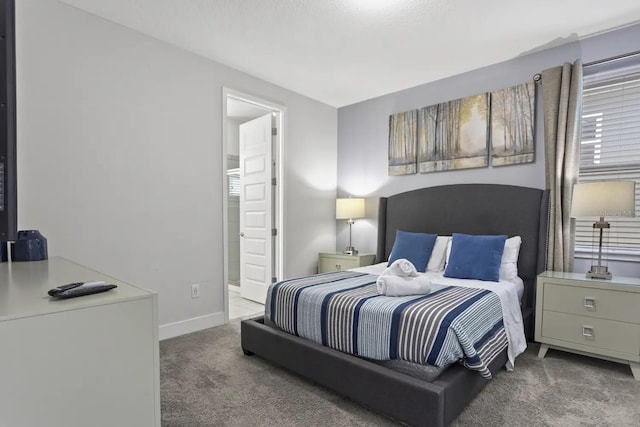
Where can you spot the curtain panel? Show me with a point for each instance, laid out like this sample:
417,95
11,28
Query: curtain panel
562,103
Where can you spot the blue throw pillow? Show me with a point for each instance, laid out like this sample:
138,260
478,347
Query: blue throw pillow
415,247
475,257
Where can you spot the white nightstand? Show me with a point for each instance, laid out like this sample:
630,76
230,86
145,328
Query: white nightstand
336,262
599,318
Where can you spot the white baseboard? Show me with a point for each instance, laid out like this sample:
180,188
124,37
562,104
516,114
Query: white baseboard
194,324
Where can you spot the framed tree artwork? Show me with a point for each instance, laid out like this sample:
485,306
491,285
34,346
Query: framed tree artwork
513,125
454,135
403,136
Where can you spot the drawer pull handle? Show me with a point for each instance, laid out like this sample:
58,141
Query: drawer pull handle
589,303
587,331
338,267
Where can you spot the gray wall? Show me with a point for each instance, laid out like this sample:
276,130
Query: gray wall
363,130
120,158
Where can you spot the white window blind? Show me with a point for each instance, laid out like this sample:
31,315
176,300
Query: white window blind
610,143
233,179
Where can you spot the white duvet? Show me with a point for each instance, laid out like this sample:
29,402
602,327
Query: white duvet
509,293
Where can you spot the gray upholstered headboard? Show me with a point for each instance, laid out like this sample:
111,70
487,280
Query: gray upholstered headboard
473,209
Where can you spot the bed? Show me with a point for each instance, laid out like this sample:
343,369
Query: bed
443,210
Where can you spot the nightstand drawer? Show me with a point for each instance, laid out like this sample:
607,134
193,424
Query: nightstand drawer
600,303
337,264
328,262
588,331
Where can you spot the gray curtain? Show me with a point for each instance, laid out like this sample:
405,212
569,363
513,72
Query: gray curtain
562,103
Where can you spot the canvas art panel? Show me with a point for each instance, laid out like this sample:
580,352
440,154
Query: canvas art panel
512,125
403,137
454,135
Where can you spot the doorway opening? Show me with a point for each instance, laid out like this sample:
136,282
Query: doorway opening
253,132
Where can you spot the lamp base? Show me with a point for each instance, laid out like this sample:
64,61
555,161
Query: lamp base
599,272
350,251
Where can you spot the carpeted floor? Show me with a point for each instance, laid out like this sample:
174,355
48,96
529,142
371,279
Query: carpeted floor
207,381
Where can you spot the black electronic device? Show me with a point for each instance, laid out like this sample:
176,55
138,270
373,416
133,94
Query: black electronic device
8,176
55,291
79,289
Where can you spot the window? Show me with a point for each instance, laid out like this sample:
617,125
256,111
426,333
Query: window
233,178
610,145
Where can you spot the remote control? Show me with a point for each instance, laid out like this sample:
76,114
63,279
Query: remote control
55,291
80,288
85,289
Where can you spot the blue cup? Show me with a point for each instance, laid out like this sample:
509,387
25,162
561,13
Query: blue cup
30,246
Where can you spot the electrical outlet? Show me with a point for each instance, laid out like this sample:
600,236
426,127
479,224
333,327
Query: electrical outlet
195,291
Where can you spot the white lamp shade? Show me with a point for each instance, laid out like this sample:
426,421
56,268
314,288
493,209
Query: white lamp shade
603,199
349,208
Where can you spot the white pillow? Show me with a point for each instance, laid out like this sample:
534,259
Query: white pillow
509,262
436,260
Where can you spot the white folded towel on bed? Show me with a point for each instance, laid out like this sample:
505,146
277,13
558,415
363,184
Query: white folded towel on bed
401,268
394,286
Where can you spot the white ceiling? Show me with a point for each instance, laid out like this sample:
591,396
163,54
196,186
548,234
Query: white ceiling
344,51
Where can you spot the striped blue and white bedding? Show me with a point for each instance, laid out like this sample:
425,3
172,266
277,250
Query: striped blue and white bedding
344,311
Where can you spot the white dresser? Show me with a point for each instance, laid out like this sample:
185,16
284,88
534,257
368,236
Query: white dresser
86,361
599,318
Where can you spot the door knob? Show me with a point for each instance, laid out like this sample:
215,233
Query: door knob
241,234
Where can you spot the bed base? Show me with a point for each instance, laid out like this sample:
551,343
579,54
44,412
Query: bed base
396,395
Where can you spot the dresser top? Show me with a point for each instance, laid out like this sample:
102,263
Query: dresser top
616,280
24,286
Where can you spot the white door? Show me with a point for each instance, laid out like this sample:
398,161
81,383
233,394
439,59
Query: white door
255,208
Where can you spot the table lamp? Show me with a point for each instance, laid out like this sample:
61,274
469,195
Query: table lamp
349,209
600,199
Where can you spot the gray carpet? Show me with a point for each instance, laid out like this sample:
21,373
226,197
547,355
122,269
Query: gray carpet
207,381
